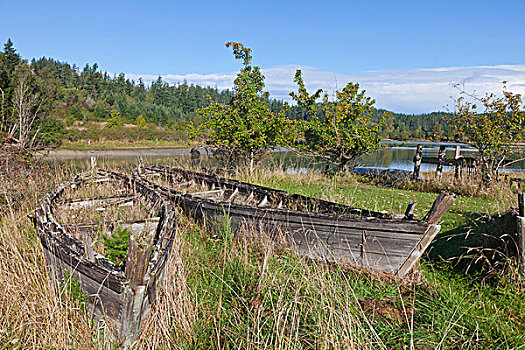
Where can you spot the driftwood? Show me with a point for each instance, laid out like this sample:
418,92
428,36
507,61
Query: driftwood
119,298
312,227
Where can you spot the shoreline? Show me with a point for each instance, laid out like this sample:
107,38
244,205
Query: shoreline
66,154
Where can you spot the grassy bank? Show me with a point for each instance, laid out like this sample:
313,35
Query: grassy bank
242,293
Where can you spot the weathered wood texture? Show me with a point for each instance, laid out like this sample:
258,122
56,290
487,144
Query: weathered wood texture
520,226
459,162
315,228
417,162
441,161
121,299
457,167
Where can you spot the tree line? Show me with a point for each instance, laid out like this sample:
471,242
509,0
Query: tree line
54,96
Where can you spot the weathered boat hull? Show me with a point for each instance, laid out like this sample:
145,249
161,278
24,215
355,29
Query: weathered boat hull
371,240
112,294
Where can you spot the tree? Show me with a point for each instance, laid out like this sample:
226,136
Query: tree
244,129
303,99
115,120
491,124
346,130
437,131
388,125
9,60
141,122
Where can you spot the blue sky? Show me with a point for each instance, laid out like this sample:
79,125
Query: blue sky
384,45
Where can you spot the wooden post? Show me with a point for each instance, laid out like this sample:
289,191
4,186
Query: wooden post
521,232
417,162
409,213
457,166
441,161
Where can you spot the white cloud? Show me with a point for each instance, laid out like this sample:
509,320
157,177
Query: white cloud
404,90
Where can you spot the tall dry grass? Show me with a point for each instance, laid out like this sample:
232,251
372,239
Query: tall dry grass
37,312
244,292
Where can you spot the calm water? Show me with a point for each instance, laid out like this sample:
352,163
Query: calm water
398,156
394,155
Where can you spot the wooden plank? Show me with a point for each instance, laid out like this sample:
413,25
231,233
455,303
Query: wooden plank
312,219
263,202
105,300
208,193
114,279
233,195
88,247
440,206
520,224
250,198
90,227
370,260
521,204
98,198
379,241
89,203
409,212
418,250
357,241
137,259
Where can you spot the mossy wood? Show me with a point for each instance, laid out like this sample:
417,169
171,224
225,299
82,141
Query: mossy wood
315,228
119,298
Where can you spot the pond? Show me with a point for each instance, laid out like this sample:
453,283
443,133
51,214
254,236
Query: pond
394,155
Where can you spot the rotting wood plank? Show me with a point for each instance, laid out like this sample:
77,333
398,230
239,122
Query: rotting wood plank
108,290
210,193
520,227
386,241
439,208
418,250
298,218
278,195
113,278
409,212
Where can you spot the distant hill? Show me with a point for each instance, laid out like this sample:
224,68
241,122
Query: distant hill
80,103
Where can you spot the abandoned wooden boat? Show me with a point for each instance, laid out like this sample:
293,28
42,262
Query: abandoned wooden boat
315,228
120,297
